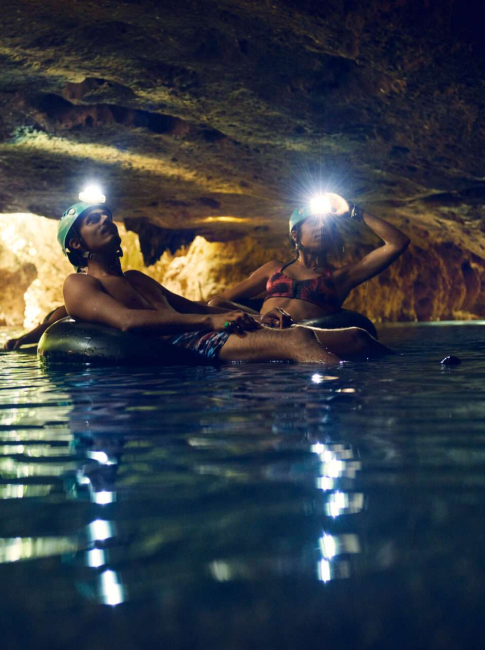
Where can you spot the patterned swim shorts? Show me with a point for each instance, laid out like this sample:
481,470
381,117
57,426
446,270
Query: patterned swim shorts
207,344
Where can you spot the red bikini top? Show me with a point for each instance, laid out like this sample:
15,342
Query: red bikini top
319,291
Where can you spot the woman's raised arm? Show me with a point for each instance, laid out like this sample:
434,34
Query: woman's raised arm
395,243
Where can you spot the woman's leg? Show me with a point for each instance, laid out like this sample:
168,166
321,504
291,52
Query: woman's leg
296,344
350,343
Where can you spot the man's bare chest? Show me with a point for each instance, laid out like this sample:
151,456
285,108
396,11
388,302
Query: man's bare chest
123,291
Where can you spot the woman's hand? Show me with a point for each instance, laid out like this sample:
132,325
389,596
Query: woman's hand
233,321
278,318
338,203
13,344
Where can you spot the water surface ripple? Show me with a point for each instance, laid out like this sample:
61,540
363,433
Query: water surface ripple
233,507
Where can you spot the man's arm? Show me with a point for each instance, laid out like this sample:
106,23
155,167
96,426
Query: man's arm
180,304
85,299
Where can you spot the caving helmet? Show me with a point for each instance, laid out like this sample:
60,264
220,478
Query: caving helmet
70,216
299,215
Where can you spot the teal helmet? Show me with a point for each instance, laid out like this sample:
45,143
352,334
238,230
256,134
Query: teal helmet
299,215
70,216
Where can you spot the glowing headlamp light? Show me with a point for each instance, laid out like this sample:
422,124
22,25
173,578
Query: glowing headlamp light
320,205
92,194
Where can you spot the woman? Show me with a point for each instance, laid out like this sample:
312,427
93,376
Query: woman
305,288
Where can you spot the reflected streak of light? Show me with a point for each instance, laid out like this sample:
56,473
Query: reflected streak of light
328,567
82,479
14,549
318,448
324,571
333,468
104,497
112,591
337,468
317,378
341,503
23,470
96,558
101,457
220,571
331,546
328,546
100,529
325,483
20,491
337,503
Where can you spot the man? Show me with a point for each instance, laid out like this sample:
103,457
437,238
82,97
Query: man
134,302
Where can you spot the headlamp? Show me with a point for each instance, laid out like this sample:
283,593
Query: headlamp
92,194
320,205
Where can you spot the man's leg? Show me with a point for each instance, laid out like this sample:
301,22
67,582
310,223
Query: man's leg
230,305
296,344
350,343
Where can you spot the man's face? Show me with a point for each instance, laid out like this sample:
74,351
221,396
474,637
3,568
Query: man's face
99,232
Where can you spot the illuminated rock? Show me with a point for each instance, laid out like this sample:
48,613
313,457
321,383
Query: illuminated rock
236,111
215,124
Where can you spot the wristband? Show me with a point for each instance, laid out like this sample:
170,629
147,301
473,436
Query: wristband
355,212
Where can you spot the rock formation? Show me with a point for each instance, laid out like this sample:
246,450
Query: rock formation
207,121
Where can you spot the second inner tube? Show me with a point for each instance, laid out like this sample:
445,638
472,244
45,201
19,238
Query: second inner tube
343,318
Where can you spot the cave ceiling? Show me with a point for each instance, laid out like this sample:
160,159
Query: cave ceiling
216,117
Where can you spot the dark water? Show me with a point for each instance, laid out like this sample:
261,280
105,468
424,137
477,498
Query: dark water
269,506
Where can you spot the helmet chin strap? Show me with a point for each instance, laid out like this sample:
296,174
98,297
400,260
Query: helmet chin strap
89,255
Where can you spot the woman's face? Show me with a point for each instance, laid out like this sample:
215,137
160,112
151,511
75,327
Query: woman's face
312,233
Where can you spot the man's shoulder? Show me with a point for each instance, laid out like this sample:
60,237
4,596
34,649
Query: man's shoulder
133,273
140,278
75,280
80,278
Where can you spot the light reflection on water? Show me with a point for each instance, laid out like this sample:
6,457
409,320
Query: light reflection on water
139,484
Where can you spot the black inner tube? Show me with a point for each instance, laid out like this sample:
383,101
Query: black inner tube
343,318
69,341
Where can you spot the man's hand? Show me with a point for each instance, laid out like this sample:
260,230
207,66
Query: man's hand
233,321
278,318
12,344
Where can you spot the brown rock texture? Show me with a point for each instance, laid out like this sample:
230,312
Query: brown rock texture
214,118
